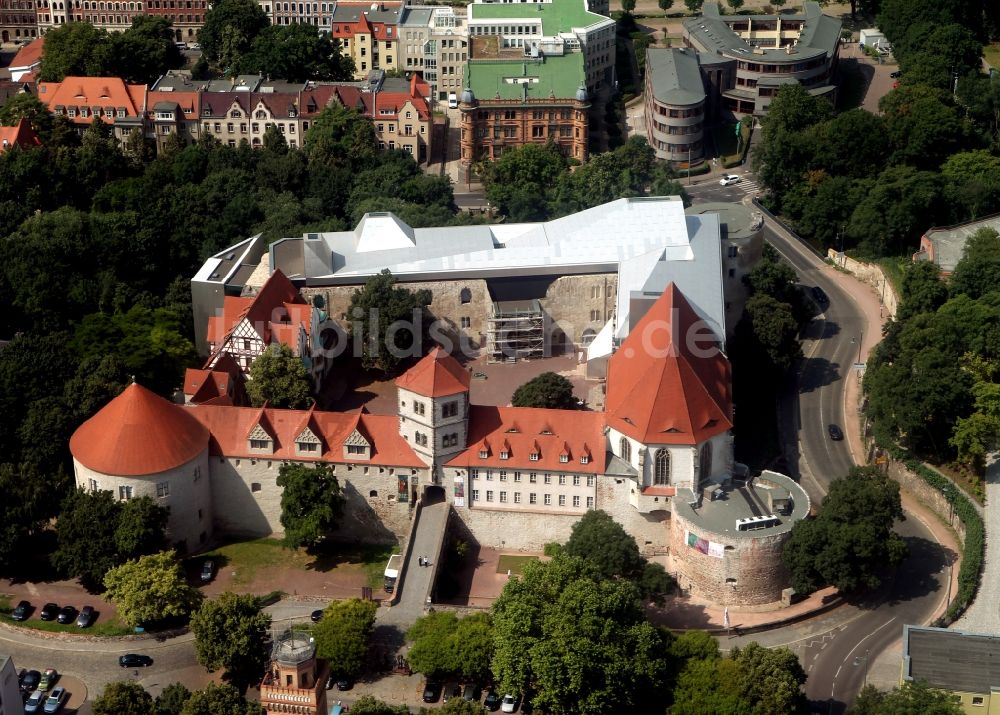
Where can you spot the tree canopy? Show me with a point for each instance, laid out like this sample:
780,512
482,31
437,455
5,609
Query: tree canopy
390,322
549,390
297,53
150,589
279,378
231,633
851,542
444,645
343,633
911,698
123,697
311,502
230,28
219,700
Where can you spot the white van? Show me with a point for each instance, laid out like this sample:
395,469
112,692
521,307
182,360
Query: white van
452,101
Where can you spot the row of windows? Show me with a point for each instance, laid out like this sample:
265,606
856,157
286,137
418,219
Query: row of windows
502,474
533,498
255,127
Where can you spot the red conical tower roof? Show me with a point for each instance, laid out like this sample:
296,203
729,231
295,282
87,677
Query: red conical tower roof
438,374
138,433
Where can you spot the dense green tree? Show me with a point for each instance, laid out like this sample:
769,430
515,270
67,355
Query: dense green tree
23,513
853,143
312,501
665,5
341,137
693,6
444,645
279,378
230,28
368,705
978,273
923,126
922,290
628,6
708,686
231,633
141,528
297,53
579,642
219,700
787,151
770,679
76,49
150,589
549,390
851,541
694,644
171,700
735,4
911,698
388,321
519,183
978,434
26,105
600,540
775,331
123,697
343,633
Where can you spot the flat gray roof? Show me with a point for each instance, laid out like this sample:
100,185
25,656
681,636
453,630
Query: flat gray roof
719,516
417,16
949,241
738,221
951,659
675,76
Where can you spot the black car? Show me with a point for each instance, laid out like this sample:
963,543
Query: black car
432,691
472,692
492,701
86,617
49,612
316,616
66,614
452,690
29,683
896,75
344,684
134,660
835,433
21,611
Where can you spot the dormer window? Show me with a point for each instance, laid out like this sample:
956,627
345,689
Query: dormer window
504,455
309,447
483,454
533,456
356,449
564,458
584,459
260,444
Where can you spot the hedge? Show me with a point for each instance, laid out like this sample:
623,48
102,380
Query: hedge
975,535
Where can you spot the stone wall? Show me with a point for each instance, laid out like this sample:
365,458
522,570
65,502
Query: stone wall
930,496
249,499
651,531
871,274
750,573
571,302
514,530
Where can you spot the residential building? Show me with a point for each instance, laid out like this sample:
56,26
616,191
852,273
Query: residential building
675,105
187,16
510,101
944,246
222,384
434,42
173,114
51,13
275,315
11,702
27,61
113,16
81,99
21,135
399,110
958,662
550,28
295,681
369,34
746,58
17,20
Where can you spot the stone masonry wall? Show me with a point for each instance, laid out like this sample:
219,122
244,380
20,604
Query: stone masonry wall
752,565
513,530
249,499
651,531
930,496
870,274
569,301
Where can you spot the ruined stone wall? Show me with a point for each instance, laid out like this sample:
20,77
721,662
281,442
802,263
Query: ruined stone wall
579,303
651,531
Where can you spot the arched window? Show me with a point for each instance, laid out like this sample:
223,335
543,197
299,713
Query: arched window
661,468
466,295
705,463
626,450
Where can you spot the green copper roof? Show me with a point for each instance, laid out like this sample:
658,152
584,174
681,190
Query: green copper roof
559,76
556,16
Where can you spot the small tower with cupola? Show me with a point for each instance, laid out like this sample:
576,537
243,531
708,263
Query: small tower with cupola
433,405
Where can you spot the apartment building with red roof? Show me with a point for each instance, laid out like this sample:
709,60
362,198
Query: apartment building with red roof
21,135
369,34
172,114
27,60
110,99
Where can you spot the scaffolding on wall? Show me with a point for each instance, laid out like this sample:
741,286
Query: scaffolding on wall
515,331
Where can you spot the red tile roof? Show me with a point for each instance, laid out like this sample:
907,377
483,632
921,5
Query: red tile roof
222,384
21,135
107,93
275,313
30,54
659,390
438,374
522,431
229,427
138,433
189,102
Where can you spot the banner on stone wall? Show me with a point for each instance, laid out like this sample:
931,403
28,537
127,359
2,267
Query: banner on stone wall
459,491
704,546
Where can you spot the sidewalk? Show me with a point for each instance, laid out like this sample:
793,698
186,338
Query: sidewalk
685,612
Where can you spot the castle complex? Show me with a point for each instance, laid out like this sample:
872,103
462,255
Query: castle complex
658,457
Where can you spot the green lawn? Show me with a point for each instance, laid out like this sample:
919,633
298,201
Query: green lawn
245,558
515,564
101,628
992,53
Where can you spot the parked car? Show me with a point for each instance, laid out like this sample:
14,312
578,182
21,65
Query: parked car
194,46
432,691
452,100
207,571
134,660
30,680
472,692
316,616
54,702
49,612
896,75
86,617
492,700
49,678
729,179
509,703
452,690
21,611
835,433
344,683
181,45
66,614
35,702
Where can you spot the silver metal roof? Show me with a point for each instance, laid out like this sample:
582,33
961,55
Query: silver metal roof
675,76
